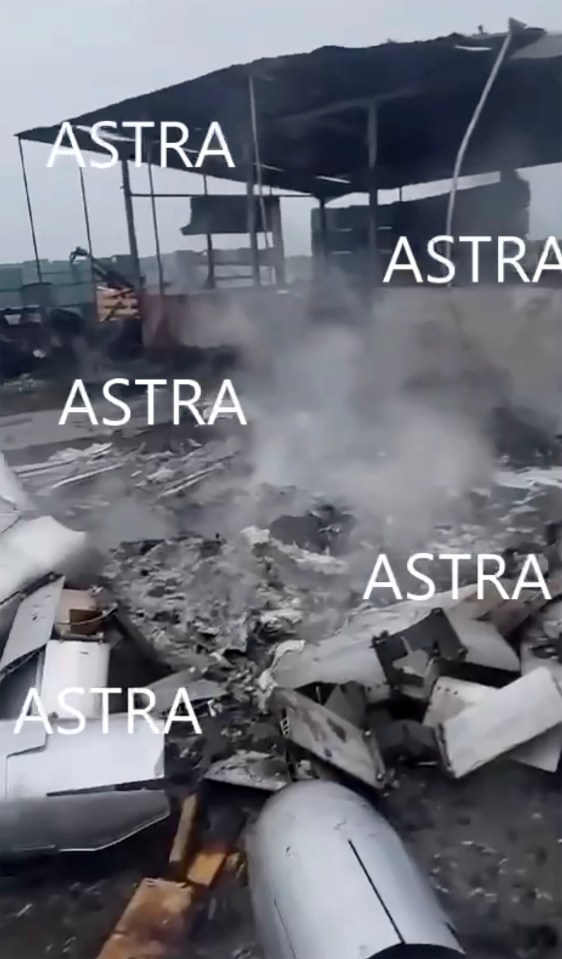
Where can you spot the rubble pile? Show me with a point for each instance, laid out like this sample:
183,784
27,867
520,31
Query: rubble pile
458,684
268,621
290,675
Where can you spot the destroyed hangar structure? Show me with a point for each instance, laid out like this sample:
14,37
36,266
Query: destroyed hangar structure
339,120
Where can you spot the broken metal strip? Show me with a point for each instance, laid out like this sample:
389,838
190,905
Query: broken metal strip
30,211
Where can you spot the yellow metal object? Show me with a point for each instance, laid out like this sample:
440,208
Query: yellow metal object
154,923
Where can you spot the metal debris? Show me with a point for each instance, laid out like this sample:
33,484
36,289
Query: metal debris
329,877
250,769
450,696
216,608
348,702
78,822
483,643
165,689
183,840
330,738
500,721
33,624
35,548
154,922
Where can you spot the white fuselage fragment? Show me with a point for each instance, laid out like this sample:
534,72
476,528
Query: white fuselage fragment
330,879
92,759
450,696
74,664
500,721
58,793
33,548
33,624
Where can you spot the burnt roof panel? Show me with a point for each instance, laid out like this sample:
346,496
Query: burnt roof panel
311,111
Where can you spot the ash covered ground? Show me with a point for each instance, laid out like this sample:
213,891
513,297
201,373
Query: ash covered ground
222,541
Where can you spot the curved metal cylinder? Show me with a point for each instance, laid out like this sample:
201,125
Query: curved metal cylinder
330,878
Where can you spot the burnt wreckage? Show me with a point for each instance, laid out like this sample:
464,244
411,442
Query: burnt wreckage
456,683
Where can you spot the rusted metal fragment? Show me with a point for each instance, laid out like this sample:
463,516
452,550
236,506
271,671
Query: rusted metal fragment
154,923
226,822
183,839
208,863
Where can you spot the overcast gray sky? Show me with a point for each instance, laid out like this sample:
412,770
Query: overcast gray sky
62,57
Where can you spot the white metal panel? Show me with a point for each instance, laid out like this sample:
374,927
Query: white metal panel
450,696
543,752
32,548
33,623
484,644
90,759
251,769
33,736
501,721
330,738
8,610
9,514
11,490
74,663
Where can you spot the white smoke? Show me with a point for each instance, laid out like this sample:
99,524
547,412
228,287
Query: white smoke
339,415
